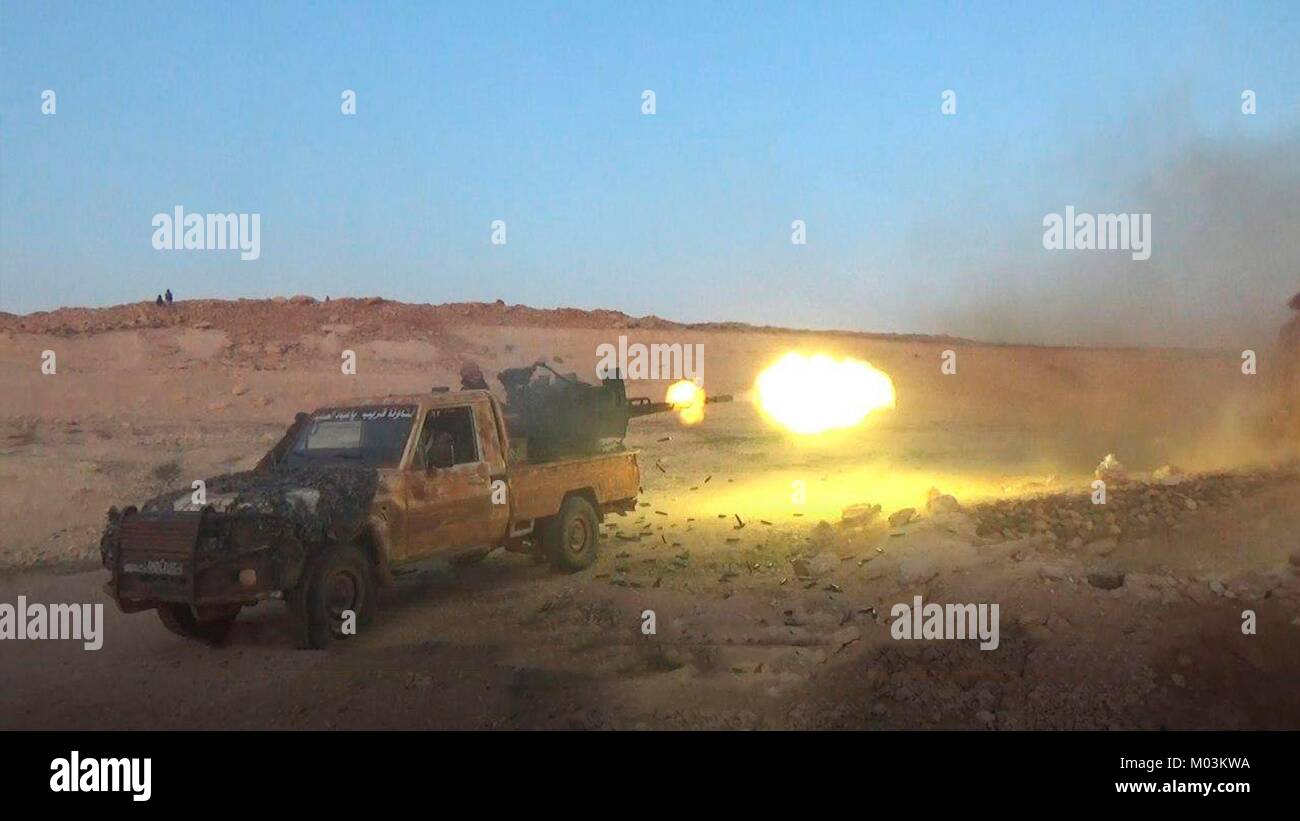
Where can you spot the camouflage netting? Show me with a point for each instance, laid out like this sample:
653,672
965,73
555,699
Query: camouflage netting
343,503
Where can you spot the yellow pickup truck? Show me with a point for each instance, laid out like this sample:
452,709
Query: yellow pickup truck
347,496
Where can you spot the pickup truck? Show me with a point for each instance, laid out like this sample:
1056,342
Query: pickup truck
348,496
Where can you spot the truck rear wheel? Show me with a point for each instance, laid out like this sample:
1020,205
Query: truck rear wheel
337,581
570,537
209,625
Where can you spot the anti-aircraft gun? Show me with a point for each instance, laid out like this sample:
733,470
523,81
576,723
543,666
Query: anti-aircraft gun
559,415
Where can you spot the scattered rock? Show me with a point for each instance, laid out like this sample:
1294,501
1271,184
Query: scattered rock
859,514
1133,510
943,503
901,517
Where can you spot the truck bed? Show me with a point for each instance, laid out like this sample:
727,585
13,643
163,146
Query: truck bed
538,488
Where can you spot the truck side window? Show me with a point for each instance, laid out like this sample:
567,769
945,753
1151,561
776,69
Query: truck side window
447,439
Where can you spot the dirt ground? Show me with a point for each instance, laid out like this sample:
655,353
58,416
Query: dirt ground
765,618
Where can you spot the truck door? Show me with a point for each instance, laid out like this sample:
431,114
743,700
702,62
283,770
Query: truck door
449,491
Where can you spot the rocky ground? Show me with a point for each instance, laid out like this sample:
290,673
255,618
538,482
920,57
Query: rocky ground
771,566
780,622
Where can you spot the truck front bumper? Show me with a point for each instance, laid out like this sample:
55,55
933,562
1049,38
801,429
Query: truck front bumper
191,558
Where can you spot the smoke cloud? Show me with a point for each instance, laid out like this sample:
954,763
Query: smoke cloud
1226,251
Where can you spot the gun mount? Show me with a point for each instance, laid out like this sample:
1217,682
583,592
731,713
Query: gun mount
560,415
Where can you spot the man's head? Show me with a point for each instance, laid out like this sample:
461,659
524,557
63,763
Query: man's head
1294,303
471,377
441,452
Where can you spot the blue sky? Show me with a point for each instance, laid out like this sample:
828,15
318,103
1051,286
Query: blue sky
530,113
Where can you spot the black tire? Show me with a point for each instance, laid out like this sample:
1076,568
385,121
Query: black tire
339,579
212,629
571,537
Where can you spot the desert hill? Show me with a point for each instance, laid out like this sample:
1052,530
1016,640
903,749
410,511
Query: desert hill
145,395
370,317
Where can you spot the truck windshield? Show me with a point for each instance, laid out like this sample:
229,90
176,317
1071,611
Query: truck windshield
369,436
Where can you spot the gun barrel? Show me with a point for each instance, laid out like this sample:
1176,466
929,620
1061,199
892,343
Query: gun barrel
642,406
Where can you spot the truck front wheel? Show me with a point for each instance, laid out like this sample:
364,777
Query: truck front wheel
336,593
570,536
209,625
